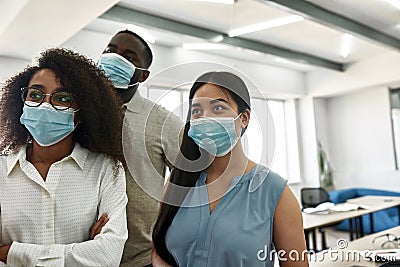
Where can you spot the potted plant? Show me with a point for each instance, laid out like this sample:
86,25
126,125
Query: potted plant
325,169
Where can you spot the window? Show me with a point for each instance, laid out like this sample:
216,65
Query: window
395,114
271,137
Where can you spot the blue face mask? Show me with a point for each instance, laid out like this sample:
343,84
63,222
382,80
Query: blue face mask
118,69
216,135
47,125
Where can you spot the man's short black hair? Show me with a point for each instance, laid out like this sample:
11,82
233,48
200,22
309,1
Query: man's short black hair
147,54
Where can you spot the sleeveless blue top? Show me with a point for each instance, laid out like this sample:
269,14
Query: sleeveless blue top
239,230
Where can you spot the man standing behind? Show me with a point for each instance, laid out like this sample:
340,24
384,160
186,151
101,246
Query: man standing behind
151,138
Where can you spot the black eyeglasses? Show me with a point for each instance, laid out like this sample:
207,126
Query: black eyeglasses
34,97
387,241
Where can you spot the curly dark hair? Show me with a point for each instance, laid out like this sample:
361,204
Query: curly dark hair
100,113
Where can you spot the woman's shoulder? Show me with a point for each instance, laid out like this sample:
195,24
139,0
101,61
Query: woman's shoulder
266,187
264,177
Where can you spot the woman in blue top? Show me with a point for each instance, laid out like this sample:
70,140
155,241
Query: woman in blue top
220,208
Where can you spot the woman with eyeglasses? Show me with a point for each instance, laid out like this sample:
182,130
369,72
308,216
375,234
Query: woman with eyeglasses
220,208
62,184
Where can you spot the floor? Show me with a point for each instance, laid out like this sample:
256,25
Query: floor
333,237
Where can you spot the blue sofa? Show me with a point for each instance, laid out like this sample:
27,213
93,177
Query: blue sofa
383,220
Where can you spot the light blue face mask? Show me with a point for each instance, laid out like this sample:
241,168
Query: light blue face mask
118,69
47,125
216,135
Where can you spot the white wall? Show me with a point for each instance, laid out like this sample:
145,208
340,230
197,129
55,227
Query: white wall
372,72
354,121
360,140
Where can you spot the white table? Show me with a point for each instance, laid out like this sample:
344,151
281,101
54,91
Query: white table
371,204
342,257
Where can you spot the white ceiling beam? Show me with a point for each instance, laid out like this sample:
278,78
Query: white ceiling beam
41,24
10,11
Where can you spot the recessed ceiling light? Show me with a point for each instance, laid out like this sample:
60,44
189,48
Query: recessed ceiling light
204,46
265,25
281,60
216,39
346,45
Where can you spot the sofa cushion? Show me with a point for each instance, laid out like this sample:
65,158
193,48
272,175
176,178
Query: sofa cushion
340,196
375,192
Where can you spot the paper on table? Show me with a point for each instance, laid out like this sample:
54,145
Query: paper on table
322,208
344,207
326,207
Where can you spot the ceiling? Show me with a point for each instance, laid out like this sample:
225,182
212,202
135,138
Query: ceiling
315,42
376,13
312,36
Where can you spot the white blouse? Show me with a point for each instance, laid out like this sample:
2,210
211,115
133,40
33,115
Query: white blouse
48,222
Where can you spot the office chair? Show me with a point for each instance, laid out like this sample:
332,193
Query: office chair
313,196
310,198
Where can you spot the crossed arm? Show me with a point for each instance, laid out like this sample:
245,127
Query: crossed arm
108,236
94,231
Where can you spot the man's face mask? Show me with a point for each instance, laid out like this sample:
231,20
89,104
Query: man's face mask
118,69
